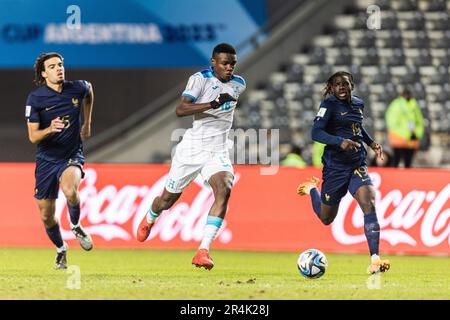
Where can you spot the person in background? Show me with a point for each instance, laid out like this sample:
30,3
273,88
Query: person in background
405,127
294,157
317,154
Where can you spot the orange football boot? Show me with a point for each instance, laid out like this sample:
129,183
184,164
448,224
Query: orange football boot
202,259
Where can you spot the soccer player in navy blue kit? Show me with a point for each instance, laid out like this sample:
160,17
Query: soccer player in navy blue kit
338,124
53,113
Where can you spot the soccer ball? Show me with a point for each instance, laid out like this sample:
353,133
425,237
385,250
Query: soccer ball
312,263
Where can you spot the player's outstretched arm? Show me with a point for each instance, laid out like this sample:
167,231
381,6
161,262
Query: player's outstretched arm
187,107
88,105
36,135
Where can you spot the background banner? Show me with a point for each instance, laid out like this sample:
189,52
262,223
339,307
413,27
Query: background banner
124,33
264,212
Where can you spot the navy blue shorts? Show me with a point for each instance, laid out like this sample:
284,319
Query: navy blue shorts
336,182
48,173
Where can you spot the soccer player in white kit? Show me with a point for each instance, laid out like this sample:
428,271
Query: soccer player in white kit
211,97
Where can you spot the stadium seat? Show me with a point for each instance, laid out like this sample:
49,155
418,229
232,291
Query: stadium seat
411,49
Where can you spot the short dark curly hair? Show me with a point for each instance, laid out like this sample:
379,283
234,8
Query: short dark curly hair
223,48
39,66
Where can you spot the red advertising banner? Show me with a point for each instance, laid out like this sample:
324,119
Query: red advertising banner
264,212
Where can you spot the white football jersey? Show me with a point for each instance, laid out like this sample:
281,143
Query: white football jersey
210,128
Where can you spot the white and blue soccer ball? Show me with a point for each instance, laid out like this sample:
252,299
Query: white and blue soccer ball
312,263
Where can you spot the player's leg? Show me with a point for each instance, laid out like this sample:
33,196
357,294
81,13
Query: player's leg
221,183
181,174
46,191
326,203
163,202
70,181
47,213
365,196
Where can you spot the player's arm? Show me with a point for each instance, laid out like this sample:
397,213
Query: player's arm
88,104
36,135
376,147
187,106
366,136
319,133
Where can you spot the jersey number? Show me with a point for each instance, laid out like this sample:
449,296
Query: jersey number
66,121
226,106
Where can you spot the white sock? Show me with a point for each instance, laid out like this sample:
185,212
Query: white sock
74,225
151,216
61,249
209,233
374,258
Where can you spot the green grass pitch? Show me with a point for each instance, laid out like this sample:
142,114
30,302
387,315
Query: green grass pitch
169,275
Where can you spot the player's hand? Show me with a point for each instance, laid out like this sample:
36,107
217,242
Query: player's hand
56,125
85,132
376,147
349,145
221,99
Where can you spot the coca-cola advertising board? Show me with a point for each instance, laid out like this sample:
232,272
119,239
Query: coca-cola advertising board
264,211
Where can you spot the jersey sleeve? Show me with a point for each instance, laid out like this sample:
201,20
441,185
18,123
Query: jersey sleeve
244,85
366,136
193,88
85,87
31,112
318,132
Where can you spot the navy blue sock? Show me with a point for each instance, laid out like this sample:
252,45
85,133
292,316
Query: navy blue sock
316,201
74,213
372,231
55,235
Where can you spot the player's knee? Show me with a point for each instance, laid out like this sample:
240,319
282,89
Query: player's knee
368,206
70,193
224,192
48,219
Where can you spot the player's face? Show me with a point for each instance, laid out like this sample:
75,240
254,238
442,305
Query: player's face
54,70
223,64
342,88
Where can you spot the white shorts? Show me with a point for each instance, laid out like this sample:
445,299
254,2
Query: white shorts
187,163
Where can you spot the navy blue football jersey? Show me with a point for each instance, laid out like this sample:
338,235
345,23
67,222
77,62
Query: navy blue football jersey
45,104
338,120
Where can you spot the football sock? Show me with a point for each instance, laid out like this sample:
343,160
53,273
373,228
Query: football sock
74,213
151,216
61,249
316,201
372,232
212,226
55,235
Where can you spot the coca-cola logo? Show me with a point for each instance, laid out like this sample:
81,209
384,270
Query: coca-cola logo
398,214
115,213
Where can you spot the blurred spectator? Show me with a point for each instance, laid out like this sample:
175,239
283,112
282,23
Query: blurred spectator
294,157
405,127
317,154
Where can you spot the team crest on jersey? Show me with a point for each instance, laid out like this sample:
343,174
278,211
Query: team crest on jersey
327,197
75,102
